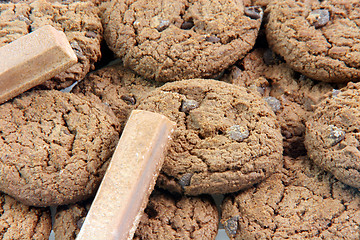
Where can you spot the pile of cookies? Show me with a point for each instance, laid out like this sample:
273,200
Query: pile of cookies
263,93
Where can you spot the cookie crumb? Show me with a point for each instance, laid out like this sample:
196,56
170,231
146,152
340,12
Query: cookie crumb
231,225
273,103
319,17
254,12
238,133
188,105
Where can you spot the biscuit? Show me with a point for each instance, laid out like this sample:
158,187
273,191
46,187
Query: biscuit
116,86
317,38
54,147
226,138
291,95
18,221
301,201
332,134
178,40
178,217
79,21
166,216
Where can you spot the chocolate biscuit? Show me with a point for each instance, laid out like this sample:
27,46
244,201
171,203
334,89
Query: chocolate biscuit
175,40
54,147
226,138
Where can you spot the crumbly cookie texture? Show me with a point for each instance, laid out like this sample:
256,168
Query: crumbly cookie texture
166,216
291,95
226,138
332,134
18,221
180,39
69,220
79,21
301,201
54,147
116,86
178,217
317,38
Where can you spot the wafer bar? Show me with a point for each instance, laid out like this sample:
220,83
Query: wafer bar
129,179
33,59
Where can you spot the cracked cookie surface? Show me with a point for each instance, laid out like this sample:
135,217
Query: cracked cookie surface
54,147
320,39
79,21
116,86
301,201
291,94
176,40
18,221
333,134
226,137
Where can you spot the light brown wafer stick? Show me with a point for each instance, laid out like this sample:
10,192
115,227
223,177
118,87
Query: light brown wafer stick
33,59
129,179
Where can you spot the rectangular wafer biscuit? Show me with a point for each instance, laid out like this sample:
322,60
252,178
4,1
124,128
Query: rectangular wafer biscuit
33,59
129,179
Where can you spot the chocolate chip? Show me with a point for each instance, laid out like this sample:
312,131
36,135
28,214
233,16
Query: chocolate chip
188,105
77,49
24,19
254,12
231,225
80,222
335,135
319,17
273,103
212,39
187,25
270,58
238,133
185,179
129,99
90,34
335,92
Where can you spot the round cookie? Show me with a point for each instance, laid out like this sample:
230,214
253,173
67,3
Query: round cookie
332,134
18,221
54,147
291,95
300,201
175,40
319,39
166,216
79,21
226,138
116,86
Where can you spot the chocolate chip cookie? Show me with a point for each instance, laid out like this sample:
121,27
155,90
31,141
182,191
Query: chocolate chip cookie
226,138
54,147
319,39
166,216
291,95
175,40
301,201
18,221
116,86
79,21
333,134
